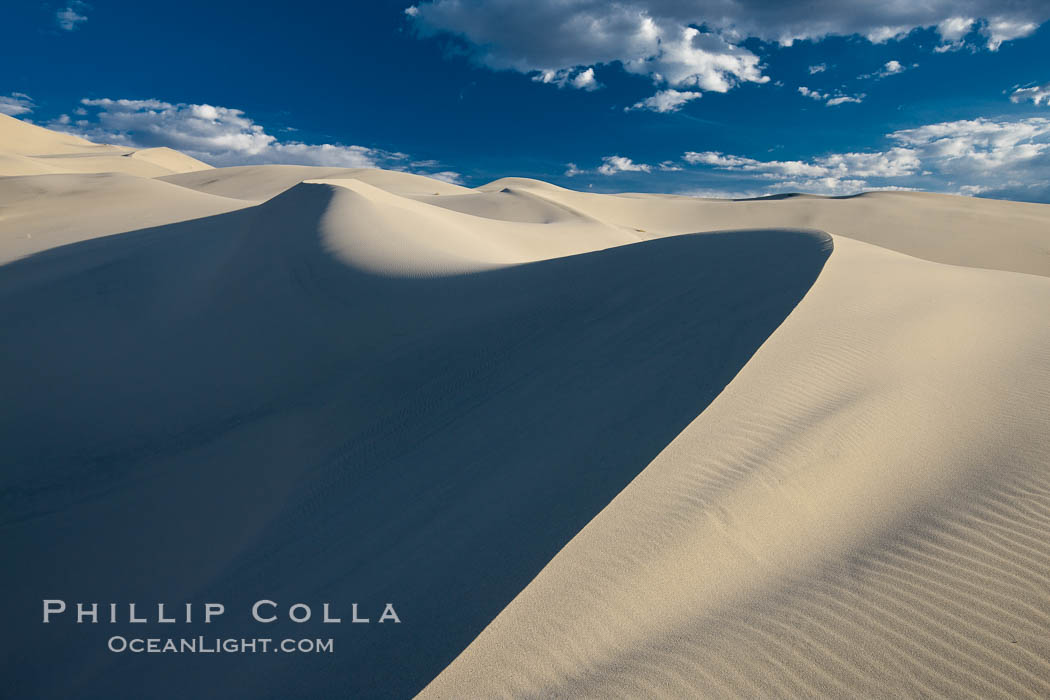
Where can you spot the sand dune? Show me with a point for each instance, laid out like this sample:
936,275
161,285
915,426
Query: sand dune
257,183
586,451
364,437
45,211
862,512
27,149
944,228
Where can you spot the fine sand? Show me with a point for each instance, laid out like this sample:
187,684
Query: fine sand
588,445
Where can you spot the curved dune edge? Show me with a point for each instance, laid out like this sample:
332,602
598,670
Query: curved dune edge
863,511
383,233
967,231
306,400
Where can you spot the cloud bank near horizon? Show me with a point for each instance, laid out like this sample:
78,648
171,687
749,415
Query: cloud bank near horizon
221,136
991,157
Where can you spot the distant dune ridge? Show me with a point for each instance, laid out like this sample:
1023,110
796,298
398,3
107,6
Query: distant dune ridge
589,445
28,149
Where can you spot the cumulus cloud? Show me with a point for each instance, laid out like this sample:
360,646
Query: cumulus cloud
618,164
582,79
893,163
1038,94
844,99
554,40
70,17
662,40
1003,29
889,68
978,147
831,100
572,171
1006,158
448,176
220,136
819,68
16,103
669,100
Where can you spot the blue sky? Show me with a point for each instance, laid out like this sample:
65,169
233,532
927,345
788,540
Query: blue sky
709,97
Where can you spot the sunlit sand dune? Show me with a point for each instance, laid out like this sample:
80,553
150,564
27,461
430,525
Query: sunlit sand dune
27,149
45,211
588,445
258,183
944,228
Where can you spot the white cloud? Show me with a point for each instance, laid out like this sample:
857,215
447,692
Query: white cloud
1004,29
813,94
889,68
446,176
978,147
572,171
582,79
69,18
895,162
16,103
661,39
840,165
819,68
979,156
829,99
820,185
955,28
717,193
555,40
669,100
1006,158
1038,94
844,99
221,136
618,164
764,169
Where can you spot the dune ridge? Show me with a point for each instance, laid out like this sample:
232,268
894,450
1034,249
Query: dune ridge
343,418
984,233
28,149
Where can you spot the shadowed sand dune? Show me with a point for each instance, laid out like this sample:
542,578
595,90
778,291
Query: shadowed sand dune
259,405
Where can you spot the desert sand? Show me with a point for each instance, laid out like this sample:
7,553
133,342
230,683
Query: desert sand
588,445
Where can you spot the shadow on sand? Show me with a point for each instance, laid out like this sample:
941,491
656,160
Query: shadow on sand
220,410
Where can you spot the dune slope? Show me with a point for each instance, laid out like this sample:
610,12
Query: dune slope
257,405
44,211
863,512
